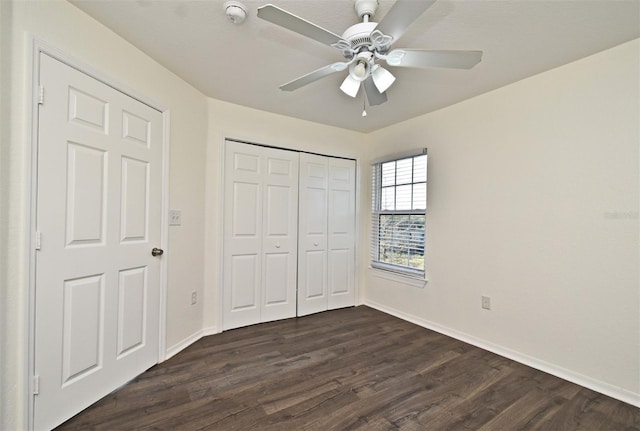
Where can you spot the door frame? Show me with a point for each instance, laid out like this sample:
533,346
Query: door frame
38,47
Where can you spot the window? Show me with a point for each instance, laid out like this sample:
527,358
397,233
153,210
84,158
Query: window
399,202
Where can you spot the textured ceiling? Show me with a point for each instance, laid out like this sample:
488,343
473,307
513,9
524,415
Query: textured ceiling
245,64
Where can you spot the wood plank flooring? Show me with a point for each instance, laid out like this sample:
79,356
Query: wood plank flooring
349,369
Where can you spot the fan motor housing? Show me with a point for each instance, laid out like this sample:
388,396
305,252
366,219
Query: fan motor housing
359,35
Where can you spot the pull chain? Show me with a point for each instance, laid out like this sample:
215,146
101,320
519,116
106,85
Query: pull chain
364,107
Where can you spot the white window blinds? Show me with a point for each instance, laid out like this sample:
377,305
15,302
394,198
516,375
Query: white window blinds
399,202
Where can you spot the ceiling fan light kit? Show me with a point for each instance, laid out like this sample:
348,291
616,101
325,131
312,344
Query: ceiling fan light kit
382,78
366,42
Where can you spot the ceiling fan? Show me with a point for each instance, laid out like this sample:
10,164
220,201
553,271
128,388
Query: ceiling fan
365,43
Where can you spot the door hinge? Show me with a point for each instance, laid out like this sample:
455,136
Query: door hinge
36,384
40,95
38,240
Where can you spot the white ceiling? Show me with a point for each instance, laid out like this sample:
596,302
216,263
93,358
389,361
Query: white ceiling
245,64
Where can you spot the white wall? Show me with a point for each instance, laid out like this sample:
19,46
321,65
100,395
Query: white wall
227,120
533,201
67,28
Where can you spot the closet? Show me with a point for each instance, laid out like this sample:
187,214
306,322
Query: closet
289,234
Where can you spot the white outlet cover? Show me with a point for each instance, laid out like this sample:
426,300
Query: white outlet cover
175,217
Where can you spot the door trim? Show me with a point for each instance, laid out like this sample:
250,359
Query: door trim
38,47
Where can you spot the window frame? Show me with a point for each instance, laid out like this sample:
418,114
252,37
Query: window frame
377,213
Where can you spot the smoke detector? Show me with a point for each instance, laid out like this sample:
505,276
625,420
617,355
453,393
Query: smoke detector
236,11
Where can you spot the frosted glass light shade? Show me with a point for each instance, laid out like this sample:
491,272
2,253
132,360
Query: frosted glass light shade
382,78
350,86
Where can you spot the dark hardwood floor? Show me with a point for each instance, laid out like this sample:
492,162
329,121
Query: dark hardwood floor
350,369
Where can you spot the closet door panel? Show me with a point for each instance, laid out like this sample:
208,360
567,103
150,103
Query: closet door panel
341,233
242,263
315,280
245,282
312,261
276,268
280,238
339,277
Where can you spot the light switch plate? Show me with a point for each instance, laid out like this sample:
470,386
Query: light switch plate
486,303
175,217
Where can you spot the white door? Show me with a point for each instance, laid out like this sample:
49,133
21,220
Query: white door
326,262
312,259
341,233
260,234
98,215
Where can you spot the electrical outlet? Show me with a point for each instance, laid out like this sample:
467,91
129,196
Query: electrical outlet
194,297
175,217
486,303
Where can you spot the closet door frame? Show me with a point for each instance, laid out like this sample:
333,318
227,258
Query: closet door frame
219,231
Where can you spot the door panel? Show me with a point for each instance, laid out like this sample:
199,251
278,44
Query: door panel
312,266
341,233
133,289
315,281
88,110
327,234
135,129
245,283
276,268
339,276
134,199
82,338
85,195
280,240
260,220
98,211
246,209
278,200
243,236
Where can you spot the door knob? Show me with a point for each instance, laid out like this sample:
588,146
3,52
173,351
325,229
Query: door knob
315,243
277,245
157,252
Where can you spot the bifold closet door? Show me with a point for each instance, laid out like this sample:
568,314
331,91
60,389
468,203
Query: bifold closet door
341,223
260,234
312,231
326,260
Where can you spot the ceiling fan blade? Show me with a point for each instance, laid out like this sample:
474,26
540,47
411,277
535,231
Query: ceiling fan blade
373,95
301,26
401,16
425,58
314,76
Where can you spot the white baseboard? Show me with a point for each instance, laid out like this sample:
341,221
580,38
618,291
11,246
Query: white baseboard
212,330
186,342
563,373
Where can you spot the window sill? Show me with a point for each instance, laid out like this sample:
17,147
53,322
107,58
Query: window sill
400,278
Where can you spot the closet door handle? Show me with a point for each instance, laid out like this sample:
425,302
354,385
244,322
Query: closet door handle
277,245
315,243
